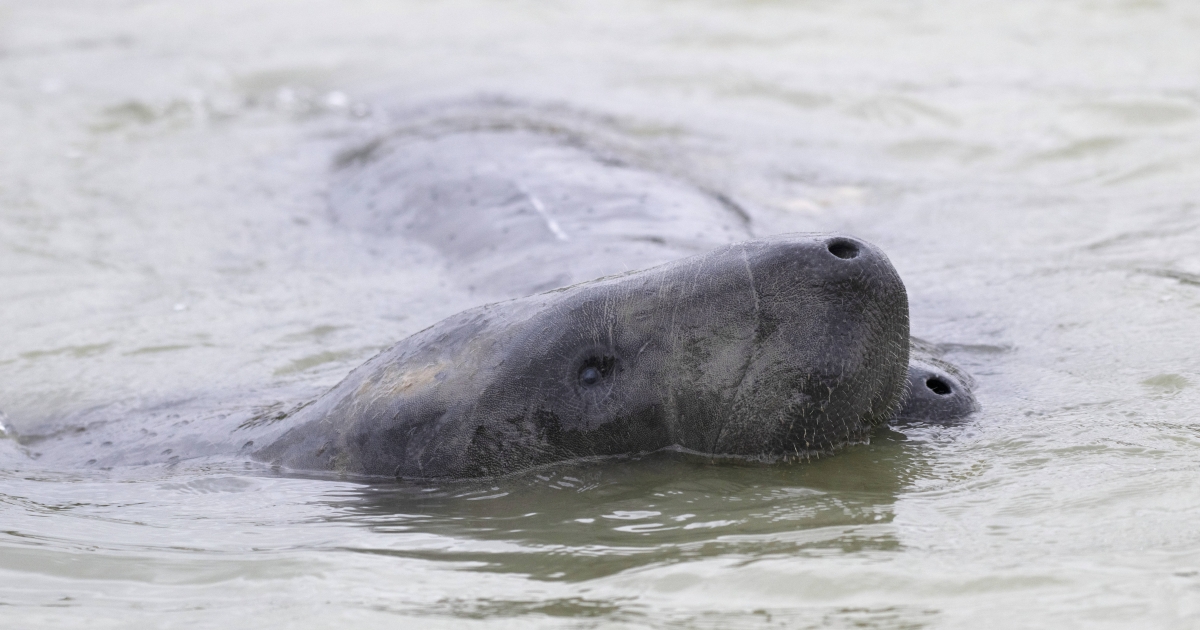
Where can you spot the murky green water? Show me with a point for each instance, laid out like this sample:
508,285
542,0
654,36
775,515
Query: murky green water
166,257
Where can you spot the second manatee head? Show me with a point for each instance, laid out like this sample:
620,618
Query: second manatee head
779,348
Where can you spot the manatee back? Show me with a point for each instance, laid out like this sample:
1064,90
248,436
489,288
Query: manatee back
513,212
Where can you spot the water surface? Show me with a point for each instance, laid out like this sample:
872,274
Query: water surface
167,256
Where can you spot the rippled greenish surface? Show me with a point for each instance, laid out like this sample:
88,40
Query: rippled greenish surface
166,256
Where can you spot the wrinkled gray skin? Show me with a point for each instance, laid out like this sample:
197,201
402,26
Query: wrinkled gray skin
770,349
778,348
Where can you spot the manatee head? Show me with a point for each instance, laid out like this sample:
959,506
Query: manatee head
780,348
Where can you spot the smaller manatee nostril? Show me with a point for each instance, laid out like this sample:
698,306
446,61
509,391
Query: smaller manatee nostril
938,386
843,248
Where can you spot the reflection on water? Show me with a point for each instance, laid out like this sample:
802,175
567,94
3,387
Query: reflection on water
154,536
656,510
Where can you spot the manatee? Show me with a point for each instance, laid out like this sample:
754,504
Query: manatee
517,202
773,349
612,309
781,348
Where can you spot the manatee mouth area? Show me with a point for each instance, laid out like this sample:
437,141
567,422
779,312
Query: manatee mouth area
783,348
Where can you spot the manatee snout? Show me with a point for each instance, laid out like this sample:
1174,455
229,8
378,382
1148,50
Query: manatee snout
830,353
777,348
936,394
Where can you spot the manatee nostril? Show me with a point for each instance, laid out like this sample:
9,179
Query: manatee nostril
843,248
938,386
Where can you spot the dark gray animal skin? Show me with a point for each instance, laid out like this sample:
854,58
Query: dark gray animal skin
516,203
780,348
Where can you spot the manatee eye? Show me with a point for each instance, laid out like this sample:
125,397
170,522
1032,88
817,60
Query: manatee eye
589,375
595,369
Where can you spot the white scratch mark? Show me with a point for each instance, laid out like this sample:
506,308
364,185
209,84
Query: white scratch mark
545,214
